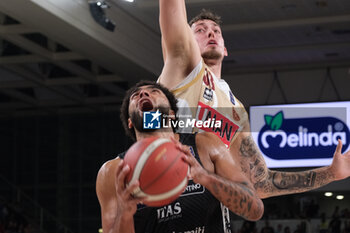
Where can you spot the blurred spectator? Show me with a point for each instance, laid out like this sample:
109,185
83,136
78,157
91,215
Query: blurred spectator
312,209
248,227
301,228
346,227
335,223
323,228
345,213
336,212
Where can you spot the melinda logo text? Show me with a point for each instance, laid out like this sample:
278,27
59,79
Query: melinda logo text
303,138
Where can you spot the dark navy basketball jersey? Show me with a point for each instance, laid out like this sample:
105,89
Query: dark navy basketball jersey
195,211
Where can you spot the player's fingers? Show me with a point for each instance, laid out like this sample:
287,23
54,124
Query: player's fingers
187,150
176,142
178,145
189,159
131,187
137,200
172,138
129,195
184,149
190,173
339,147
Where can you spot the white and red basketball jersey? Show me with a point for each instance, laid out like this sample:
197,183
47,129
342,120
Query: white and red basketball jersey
204,96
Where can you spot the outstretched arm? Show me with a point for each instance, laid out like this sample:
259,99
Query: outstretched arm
270,183
180,49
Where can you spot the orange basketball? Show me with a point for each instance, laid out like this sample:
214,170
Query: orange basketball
159,167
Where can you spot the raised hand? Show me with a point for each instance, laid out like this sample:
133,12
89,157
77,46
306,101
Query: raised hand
341,163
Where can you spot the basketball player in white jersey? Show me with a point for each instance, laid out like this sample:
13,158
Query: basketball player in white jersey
193,57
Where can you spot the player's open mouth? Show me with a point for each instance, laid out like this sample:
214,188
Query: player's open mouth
145,105
212,42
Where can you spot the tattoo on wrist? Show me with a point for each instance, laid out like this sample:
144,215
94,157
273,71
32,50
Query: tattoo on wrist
324,178
283,180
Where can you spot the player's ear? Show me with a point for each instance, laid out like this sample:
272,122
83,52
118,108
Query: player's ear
130,125
225,52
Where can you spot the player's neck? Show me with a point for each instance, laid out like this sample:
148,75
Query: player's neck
158,133
215,66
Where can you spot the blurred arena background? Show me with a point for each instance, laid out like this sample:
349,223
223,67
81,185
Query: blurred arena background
64,69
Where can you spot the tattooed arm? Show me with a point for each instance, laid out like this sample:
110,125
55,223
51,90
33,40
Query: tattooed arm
235,192
238,197
270,183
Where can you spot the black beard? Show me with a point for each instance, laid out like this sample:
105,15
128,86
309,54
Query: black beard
137,120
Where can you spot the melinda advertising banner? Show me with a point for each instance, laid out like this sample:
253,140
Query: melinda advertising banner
300,135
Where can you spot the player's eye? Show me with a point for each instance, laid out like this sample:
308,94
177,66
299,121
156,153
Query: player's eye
135,94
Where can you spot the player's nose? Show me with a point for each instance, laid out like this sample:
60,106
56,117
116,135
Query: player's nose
144,92
211,33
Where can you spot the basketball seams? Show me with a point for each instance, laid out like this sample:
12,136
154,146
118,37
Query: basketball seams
140,161
143,159
162,196
165,170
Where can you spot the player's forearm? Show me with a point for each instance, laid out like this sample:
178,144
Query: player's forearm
269,183
173,25
123,224
281,183
172,13
239,198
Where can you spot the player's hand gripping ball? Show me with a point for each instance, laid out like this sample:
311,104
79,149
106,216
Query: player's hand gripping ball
160,169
